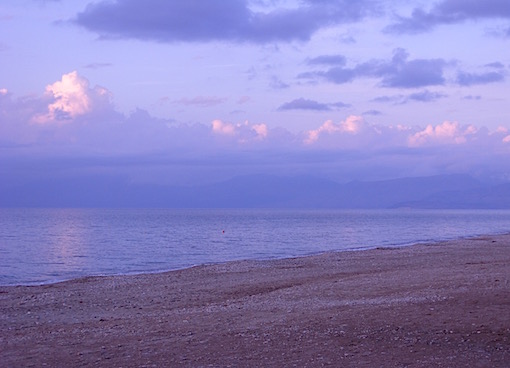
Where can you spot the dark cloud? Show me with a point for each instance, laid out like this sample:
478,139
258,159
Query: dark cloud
413,73
231,20
277,83
495,65
469,79
347,39
339,75
399,72
97,65
422,96
425,96
386,99
328,60
339,105
449,12
373,112
305,104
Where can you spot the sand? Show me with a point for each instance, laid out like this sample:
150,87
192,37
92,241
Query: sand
433,305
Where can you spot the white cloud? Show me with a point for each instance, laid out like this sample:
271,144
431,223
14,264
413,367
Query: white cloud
351,125
71,97
243,132
219,127
261,130
447,132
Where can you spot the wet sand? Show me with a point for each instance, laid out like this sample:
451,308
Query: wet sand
435,305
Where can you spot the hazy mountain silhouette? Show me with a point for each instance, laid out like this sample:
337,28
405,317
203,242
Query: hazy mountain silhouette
263,191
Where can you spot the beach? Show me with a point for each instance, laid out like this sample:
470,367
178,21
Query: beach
445,304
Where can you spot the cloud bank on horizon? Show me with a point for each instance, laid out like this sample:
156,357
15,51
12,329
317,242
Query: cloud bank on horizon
198,91
74,120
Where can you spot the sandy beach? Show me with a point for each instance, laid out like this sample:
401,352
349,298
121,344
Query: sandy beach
431,305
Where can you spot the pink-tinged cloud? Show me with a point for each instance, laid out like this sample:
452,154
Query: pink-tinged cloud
504,132
243,99
219,127
3,91
351,125
204,101
447,132
242,132
71,97
260,129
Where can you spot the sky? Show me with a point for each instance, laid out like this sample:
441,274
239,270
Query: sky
199,91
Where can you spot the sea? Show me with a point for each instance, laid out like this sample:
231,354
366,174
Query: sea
41,246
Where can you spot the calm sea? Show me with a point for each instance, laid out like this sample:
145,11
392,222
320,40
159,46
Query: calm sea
50,245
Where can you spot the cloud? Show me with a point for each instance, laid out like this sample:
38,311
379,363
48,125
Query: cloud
243,133
471,97
352,125
355,133
277,83
425,96
97,65
141,147
495,65
339,105
422,96
399,72
203,101
219,127
70,98
450,12
387,99
328,60
243,99
447,132
218,20
305,104
470,79
373,112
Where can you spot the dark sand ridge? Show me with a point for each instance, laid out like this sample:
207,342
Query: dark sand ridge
437,305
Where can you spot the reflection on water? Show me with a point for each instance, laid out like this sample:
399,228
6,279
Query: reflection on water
68,248
47,245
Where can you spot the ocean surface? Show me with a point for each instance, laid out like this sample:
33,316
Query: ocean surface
40,246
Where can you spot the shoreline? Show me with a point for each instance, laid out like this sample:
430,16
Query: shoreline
358,249
443,303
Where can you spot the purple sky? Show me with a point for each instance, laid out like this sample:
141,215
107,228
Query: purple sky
195,91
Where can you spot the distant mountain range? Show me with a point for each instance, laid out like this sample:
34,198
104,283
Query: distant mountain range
264,191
